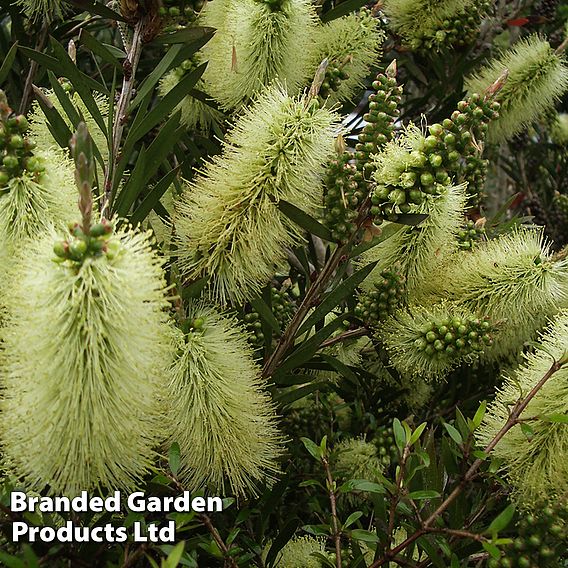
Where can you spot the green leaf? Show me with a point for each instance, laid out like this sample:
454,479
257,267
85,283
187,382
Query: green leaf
152,79
361,485
334,297
96,47
417,433
502,520
365,536
298,393
174,458
82,83
194,289
7,63
167,104
412,219
352,518
557,418
343,9
186,35
527,430
11,561
147,164
175,555
99,9
479,415
454,433
390,230
423,494
492,549
284,535
55,123
266,313
153,197
304,220
313,448
399,434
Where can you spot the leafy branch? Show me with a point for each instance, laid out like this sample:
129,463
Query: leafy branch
471,473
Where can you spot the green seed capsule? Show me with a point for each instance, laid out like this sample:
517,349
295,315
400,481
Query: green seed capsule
77,249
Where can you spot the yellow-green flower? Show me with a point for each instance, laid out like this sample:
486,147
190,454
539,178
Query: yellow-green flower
218,409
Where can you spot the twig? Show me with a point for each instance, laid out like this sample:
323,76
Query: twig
312,296
130,65
132,559
516,411
229,561
334,518
350,334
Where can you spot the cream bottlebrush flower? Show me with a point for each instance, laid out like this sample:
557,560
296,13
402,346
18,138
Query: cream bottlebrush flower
256,43
218,409
228,222
357,459
538,77
536,465
195,114
299,553
43,9
86,350
418,250
28,207
515,280
559,130
427,23
428,342
352,44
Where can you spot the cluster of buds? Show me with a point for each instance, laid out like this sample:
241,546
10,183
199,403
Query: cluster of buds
383,113
472,233
456,336
541,540
345,191
457,30
15,148
386,446
378,304
282,307
186,66
334,74
80,245
181,12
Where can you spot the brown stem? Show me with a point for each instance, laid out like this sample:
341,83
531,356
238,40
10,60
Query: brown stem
334,518
229,561
132,559
516,411
311,297
395,498
350,334
130,66
26,96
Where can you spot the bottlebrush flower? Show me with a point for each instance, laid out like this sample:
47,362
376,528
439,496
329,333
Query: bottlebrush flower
300,552
256,43
538,77
559,130
356,458
218,409
86,347
427,24
514,279
536,462
428,342
228,222
31,203
417,250
352,45
43,9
